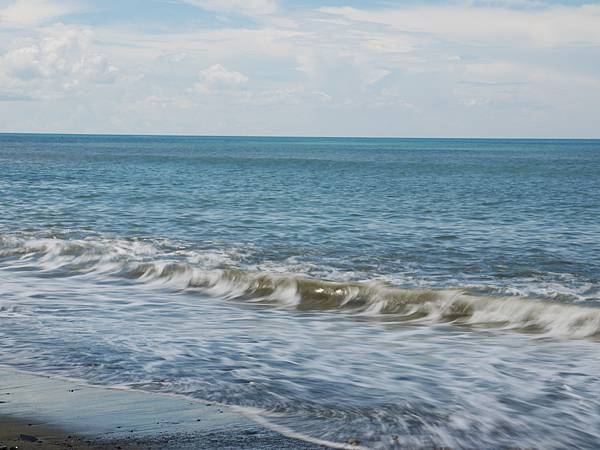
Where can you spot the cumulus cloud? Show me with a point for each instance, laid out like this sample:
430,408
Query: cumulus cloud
217,77
55,64
24,13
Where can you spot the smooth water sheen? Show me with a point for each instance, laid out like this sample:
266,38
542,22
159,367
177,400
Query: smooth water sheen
400,293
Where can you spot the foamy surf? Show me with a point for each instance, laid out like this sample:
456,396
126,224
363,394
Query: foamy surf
212,273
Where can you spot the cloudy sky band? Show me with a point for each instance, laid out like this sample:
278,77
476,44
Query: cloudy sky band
513,68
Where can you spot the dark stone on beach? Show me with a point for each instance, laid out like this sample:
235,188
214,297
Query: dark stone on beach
28,438
353,441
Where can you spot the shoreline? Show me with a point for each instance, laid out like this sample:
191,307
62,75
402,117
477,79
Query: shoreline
39,411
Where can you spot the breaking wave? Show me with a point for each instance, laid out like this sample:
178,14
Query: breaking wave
164,265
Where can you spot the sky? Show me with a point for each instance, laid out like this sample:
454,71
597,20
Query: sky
438,68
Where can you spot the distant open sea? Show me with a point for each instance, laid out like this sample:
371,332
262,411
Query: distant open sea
400,293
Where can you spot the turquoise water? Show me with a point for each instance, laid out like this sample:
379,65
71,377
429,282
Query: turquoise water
400,292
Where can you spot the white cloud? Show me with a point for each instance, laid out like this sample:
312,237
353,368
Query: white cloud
24,13
55,63
285,95
505,83
246,7
464,67
217,74
551,26
217,77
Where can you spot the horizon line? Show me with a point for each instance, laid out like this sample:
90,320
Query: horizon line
282,136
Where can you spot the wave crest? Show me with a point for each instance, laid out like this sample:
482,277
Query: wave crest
167,267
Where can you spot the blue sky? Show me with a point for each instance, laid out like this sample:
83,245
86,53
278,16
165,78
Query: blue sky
479,68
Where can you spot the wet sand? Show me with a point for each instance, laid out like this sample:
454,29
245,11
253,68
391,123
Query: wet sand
38,412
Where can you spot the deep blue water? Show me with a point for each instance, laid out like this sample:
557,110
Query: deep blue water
405,292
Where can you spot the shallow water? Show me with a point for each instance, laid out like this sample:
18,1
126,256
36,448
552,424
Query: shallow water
403,293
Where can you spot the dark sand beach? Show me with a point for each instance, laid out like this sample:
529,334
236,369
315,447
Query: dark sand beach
38,412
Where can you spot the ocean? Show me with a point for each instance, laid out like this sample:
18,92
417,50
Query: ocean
397,293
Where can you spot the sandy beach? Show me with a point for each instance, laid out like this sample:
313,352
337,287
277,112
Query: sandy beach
38,412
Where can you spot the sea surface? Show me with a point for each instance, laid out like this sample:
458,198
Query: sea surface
397,293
